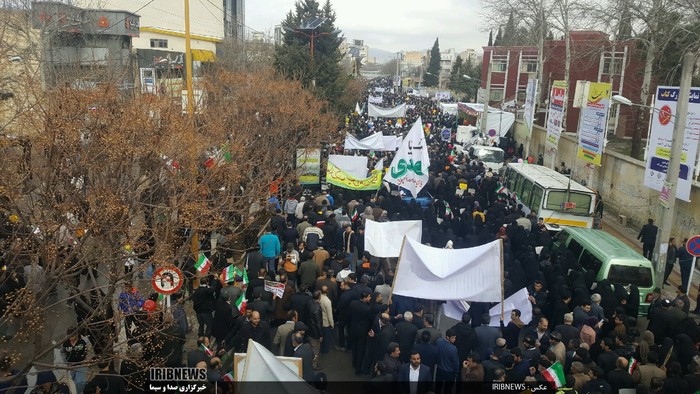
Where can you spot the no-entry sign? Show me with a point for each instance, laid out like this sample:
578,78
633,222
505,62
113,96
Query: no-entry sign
693,245
167,280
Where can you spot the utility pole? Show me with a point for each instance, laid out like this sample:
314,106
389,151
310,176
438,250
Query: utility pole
668,213
485,114
188,61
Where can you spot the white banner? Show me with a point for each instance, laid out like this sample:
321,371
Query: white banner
373,142
472,274
449,108
391,142
385,239
409,169
353,165
530,99
555,116
375,99
377,112
444,95
275,288
358,110
454,309
379,90
661,139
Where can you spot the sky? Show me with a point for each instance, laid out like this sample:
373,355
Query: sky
392,25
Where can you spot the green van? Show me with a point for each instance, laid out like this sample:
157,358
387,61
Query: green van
611,258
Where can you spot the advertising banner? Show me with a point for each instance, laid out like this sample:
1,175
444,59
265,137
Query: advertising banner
593,123
555,117
661,139
530,101
309,166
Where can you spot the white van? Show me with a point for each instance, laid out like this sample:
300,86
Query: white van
492,156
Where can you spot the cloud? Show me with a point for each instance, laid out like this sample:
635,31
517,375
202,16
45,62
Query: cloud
391,25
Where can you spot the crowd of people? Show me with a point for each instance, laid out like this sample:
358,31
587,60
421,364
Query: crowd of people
337,297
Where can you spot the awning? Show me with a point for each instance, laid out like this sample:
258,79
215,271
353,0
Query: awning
203,55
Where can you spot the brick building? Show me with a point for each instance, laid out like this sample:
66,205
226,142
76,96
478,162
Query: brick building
592,55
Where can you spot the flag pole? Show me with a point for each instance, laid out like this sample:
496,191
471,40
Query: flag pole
502,285
396,271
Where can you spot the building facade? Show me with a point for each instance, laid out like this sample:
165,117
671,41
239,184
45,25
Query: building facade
594,58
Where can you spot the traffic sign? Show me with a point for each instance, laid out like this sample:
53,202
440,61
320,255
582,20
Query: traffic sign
167,280
693,245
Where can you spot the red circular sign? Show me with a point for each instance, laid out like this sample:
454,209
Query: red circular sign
167,280
693,246
665,115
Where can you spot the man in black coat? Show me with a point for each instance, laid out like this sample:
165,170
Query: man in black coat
425,377
360,317
406,335
306,354
203,303
255,329
384,335
619,378
223,318
659,319
261,306
648,237
466,336
300,302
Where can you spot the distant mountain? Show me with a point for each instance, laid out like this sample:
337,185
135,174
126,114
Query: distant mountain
381,55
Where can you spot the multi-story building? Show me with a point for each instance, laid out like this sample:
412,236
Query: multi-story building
234,19
160,47
447,60
355,52
84,47
593,58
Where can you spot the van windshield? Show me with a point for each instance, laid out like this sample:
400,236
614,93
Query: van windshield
488,155
641,277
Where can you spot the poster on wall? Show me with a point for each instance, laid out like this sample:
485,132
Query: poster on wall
555,117
530,98
661,139
309,166
593,123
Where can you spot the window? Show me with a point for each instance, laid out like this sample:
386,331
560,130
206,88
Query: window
556,198
499,66
536,202
521,95
496,94
607,66
158,43
590,262
512,180
623,274
528,66
575,248
525,195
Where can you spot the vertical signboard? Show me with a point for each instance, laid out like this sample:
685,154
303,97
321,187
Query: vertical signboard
661,138
309,166
555,117
530,97
593,123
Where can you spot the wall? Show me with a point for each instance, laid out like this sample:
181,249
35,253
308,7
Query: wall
620,181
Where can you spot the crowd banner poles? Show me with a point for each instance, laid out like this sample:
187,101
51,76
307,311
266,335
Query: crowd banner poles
502,281
396,271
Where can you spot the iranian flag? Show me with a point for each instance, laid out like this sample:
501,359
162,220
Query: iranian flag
241,303
501,189
229,274
203,264
555,374
206,350
354,216
632,365
228,377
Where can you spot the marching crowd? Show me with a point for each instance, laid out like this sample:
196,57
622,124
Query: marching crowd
337,297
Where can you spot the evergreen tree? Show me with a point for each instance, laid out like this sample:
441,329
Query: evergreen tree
293,57
490,38
510,31
499,38
457,81
432,76
550,36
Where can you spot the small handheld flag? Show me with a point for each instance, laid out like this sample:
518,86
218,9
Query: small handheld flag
203,264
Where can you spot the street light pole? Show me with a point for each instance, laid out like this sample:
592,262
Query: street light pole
188,61
673,169
485,114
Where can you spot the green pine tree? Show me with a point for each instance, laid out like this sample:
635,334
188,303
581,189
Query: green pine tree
490,38
432,76
293,57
